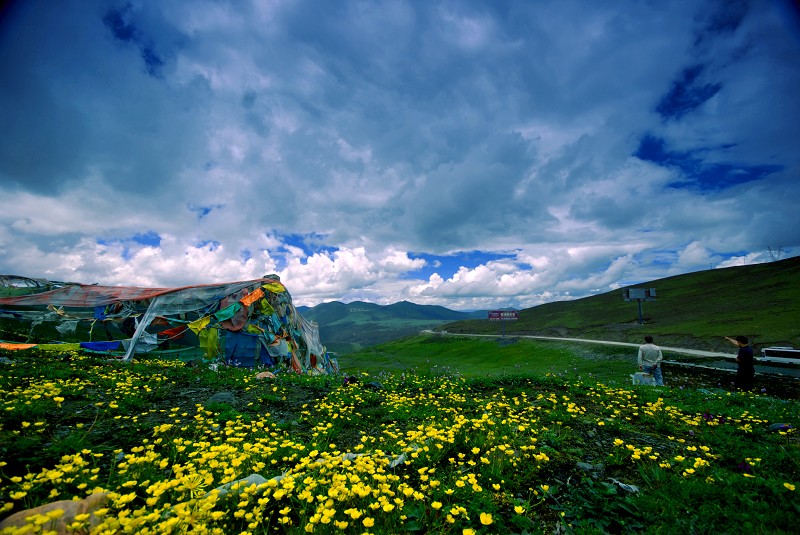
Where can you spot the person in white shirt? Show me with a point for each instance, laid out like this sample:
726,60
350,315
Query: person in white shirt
650,358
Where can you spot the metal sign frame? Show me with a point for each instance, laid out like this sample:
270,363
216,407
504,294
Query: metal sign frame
639,295
503,316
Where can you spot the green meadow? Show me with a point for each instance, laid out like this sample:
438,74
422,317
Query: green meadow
483,357
431,434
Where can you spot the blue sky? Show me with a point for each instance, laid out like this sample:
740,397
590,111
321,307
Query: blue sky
460,153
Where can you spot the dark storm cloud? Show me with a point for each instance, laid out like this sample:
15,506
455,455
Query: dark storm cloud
327,140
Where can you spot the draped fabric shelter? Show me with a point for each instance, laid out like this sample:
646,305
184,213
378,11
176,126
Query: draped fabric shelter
246,323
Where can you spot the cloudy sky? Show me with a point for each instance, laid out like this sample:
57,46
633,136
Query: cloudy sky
470,154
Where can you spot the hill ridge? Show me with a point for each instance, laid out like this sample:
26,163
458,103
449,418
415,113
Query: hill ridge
761,301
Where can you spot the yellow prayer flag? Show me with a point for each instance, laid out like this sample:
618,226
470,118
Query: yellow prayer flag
198,325
274,287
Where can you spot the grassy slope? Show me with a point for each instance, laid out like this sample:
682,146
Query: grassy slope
695,310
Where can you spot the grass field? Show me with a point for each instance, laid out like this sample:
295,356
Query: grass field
425,435
481,358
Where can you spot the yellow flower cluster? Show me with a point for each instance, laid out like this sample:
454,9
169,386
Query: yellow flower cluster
440,449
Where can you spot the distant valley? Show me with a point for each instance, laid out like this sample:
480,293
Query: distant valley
348,327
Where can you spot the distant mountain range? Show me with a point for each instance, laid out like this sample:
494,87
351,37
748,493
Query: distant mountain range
348,327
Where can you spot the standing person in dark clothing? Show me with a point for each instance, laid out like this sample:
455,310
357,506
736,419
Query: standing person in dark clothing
744,360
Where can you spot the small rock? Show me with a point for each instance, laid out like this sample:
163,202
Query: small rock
71,509
265,375
241,484
222,397
624,486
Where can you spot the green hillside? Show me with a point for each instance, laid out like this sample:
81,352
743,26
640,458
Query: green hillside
695,310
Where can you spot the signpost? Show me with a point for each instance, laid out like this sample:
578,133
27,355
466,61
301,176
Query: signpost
503,316
639,295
